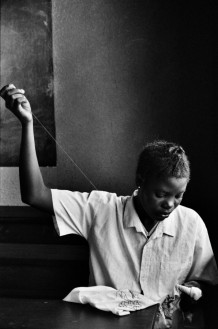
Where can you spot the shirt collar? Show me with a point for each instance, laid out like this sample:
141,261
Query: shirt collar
131,219
167,226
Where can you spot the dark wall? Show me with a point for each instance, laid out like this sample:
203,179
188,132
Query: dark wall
128,72
183,95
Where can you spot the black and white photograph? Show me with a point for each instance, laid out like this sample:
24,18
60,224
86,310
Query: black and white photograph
108,164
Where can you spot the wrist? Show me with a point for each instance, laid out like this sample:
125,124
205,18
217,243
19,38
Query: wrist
27,123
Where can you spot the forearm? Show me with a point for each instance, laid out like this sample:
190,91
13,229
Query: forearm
31,181
33,190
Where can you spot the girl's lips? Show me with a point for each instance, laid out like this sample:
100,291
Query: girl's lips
164,214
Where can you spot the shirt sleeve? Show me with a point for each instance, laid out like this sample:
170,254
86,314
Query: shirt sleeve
204,267
74,211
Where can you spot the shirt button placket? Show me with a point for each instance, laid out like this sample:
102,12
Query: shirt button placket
145,266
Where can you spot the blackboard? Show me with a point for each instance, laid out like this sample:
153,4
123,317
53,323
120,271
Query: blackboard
26,61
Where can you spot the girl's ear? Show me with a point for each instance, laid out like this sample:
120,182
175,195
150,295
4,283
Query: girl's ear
139,180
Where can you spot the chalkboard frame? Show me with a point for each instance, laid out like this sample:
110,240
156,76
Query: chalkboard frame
27,62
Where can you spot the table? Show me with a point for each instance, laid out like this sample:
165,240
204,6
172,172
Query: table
18,313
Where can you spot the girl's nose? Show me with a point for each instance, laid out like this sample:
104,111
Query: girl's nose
168,204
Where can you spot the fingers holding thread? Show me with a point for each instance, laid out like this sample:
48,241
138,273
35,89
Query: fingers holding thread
10,93
6,88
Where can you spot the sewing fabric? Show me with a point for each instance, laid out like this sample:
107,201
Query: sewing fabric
119,302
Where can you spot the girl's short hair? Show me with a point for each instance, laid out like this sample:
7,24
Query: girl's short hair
162,159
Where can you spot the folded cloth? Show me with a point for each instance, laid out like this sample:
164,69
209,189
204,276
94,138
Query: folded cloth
119,302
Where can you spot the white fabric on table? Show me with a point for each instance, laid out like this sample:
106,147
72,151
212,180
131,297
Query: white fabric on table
119,302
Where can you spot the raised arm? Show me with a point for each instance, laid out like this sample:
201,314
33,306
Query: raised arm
33,190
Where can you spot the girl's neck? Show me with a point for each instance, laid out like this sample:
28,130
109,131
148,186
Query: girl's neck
147,221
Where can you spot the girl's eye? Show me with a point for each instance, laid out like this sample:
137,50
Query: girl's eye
160,195
180,196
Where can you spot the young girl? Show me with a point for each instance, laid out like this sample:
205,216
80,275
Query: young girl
146,242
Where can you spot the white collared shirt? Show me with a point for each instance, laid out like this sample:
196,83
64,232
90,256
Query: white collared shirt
122,257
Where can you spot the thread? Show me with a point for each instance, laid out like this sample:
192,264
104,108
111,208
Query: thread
63,150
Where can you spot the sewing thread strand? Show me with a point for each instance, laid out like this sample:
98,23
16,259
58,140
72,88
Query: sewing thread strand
58,144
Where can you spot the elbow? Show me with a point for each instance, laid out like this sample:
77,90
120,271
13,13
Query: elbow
27,199
31,198
39,198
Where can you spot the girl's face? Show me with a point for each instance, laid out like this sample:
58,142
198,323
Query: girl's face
160,196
